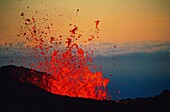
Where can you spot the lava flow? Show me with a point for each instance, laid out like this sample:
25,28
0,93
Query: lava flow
70,69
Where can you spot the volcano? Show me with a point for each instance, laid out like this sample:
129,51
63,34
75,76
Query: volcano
20,95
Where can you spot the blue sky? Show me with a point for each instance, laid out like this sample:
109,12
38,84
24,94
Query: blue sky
141,68
137,74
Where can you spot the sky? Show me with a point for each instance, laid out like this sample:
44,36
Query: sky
135,38
121,20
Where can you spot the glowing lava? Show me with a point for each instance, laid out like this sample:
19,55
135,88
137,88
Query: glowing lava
73,77
70,68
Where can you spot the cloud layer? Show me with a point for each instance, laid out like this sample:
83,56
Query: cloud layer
104,49
109,49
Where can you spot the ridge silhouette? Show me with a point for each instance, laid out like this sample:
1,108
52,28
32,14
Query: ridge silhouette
19,96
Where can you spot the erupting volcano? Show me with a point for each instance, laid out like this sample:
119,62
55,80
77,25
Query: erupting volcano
71,67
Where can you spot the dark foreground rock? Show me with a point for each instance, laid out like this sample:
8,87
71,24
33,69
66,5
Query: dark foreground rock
16,96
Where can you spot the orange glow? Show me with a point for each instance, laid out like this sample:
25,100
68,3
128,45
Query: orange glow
71,68
122,20
70,75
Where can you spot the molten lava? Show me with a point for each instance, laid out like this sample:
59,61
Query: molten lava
72,75
70,68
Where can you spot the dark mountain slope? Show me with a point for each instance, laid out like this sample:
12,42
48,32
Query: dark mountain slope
16,95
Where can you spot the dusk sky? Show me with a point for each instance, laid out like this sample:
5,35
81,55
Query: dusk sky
121,20
140,30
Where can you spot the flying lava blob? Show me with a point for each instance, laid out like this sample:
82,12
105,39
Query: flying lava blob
70,65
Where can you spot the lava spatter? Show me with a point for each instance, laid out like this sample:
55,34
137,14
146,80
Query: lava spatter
73,31
69,66
97,23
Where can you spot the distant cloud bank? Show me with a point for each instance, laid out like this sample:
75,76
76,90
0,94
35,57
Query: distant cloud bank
109,49
102,49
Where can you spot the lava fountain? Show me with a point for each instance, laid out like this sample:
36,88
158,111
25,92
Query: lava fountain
70,67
